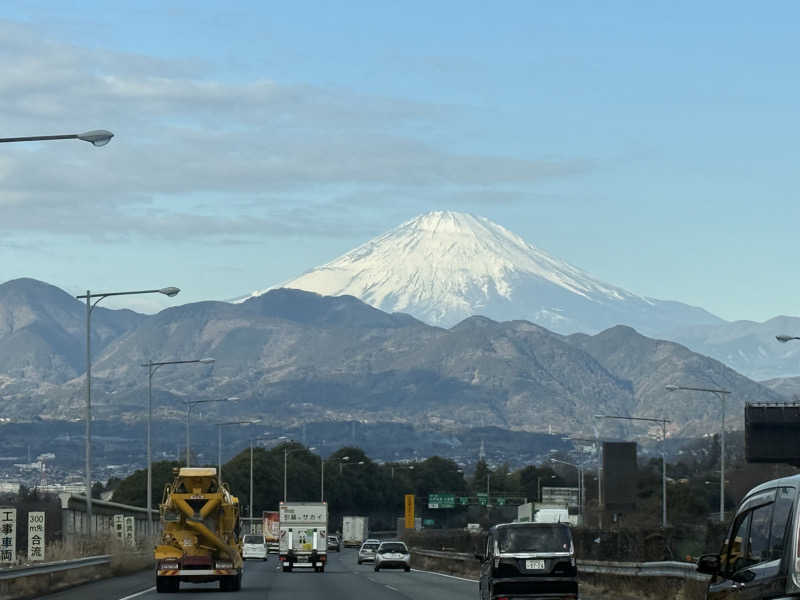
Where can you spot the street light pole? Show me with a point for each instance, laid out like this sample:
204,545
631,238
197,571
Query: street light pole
722,395
580,482
286,453
152,367
189,406
167,291
219,442
250,511
663,423
97,137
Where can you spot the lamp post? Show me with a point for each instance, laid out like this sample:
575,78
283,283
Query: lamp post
663,423
580,481
409,467
722,395
152,367
167,291
190,404
286,452
596,442
261,437
96,137
219,441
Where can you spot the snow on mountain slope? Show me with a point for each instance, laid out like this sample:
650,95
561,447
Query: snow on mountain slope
443,267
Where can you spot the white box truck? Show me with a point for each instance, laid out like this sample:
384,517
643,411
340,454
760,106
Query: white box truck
354,531
303,535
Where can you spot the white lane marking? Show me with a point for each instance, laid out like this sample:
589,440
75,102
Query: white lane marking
150,589
392,588
443,575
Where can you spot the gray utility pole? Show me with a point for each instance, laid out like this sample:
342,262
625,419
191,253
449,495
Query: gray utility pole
152,367
663,423
190,404
167,291
722,395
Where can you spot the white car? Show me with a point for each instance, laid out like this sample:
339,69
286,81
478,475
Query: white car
367,551
393,555
254,546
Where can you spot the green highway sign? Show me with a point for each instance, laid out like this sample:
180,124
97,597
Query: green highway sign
463,500
483,499
441,500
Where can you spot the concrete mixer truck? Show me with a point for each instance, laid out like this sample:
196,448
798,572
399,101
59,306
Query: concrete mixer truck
200,533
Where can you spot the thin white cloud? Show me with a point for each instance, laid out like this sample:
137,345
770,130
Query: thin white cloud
181,135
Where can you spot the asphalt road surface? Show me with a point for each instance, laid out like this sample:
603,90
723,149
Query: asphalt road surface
343,579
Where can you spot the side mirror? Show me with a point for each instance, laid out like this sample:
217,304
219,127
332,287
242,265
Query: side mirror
745,576
708,564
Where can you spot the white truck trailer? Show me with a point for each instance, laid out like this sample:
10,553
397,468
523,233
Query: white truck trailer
303,535
354,531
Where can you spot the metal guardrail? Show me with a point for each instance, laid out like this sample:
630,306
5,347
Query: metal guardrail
680,570
443,554
54,567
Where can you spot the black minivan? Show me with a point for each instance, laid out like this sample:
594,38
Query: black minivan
529,560
760,557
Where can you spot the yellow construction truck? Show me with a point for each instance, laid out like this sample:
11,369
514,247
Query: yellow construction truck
200,533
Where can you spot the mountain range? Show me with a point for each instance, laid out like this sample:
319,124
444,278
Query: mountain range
443,267
293,356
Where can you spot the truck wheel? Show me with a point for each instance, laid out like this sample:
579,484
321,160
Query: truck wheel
164,585
407,569
377,568
237,583
287,569
322,569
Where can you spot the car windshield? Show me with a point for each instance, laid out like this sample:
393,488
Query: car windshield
253,539
533,539
396,547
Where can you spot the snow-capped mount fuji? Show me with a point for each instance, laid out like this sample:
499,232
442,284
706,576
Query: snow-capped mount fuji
442,267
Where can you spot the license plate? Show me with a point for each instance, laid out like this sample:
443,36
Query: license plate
534,565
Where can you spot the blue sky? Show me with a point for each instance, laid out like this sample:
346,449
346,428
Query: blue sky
652,146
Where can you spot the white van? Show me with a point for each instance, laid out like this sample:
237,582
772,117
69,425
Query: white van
254,546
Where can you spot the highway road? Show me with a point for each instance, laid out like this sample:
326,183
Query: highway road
342,580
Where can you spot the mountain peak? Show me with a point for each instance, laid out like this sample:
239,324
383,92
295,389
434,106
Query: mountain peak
444,266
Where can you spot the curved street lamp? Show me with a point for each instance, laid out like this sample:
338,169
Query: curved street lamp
722,395
219,441
96,137
167,291
152,367
190,404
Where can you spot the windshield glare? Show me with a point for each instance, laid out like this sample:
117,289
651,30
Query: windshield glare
533,539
